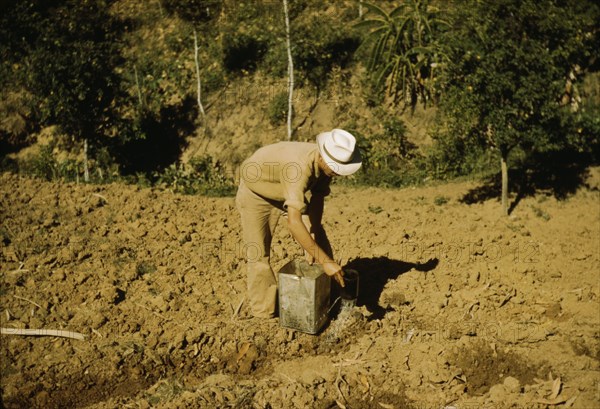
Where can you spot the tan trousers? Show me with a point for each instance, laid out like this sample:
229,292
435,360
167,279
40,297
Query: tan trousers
259,219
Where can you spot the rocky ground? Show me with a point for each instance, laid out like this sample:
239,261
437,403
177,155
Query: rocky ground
459,306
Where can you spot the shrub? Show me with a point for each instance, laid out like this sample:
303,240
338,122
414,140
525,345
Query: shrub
195,11
246,31
319,45
242,52
319,41
441,200
389,158
278,108
202,175
47,166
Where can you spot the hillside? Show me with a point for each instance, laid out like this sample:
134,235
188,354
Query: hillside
154,118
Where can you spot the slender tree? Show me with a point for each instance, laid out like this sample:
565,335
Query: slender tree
290,69
199,88
511,61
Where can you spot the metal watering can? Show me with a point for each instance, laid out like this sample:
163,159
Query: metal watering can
304,295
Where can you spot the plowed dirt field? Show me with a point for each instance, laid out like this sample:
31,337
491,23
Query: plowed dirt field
458,307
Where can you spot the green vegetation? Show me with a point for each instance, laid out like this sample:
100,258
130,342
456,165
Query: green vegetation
441,200
405,49
375,209
511,61
201,176
277,111
539,212
389,158
144,267
514,83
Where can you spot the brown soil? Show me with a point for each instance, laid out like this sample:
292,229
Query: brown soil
458,305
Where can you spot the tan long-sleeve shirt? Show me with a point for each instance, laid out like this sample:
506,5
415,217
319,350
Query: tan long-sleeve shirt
285,172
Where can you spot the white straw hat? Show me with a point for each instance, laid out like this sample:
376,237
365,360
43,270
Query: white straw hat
339,151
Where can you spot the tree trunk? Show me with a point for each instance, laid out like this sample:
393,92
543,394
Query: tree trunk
199,90
139,89
290,69
86,169
504,167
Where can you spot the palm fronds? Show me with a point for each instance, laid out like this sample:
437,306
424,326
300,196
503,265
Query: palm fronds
404,49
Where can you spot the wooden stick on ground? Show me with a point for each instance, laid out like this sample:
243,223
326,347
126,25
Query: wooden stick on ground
42,332
239,307
20,269
339,379
99,196
29,301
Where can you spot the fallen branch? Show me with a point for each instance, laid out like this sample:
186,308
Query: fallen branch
20,269
42,332
237,310
99,196
348,362
338,379
29,301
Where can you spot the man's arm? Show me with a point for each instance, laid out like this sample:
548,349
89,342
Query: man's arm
302,236
315,215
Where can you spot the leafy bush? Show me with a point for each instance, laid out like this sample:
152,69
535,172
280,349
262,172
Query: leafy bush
452,156
64,54
246,31
389,158
45,165
278,109
584,135
17,108
195,11
73,67
242,52
319,44
202,175
441,200
155,83
158,138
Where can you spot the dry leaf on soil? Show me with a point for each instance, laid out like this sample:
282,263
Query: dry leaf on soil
243,350
365,382
556,388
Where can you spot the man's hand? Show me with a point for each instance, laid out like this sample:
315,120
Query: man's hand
334,270
302,236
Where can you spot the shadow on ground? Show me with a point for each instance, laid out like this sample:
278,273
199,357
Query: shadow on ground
375,272
559,174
